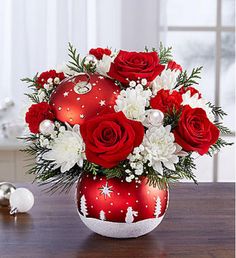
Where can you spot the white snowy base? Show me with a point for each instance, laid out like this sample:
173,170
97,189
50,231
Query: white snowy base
121,230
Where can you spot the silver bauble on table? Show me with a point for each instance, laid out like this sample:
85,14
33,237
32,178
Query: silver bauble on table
6,189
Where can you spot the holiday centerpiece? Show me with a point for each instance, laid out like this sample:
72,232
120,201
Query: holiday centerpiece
122,125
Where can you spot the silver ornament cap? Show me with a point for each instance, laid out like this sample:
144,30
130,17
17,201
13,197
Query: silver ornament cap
46,127
6,189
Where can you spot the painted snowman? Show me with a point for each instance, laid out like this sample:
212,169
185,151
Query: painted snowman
129,218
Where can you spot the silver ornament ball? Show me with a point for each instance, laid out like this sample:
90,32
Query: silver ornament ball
91,59
6,189
46,127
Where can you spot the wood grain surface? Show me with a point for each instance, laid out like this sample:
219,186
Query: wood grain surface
199,223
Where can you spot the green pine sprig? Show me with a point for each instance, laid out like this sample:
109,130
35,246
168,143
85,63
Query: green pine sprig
75,64
215,148
185,80
165,54
217,111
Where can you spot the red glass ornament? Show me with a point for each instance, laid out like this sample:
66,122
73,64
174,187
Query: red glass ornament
83,96
109,207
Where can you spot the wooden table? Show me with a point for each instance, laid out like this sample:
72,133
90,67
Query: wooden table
199,223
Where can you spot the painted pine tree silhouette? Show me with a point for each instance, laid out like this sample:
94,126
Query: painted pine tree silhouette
158,207
83,206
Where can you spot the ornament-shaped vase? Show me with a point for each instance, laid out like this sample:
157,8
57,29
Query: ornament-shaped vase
118,209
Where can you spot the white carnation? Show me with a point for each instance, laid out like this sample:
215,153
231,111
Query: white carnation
103,65
195,102
166,80
67,150
159,148
132,102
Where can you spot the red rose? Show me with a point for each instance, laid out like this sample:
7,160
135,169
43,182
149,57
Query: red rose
134,66
194,131
192,91
36,114
110,138
173,66
43,77
166,101
99,52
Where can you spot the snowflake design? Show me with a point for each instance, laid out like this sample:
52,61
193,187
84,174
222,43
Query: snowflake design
106,190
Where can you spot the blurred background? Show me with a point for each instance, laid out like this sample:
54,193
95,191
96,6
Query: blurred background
34,36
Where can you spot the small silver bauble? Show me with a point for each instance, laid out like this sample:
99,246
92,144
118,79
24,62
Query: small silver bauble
46,127
91,60
154,117
6,189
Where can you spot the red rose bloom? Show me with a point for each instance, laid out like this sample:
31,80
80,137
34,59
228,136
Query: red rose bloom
173,66
36,114
43,77
192,91
194,131
166,101
134,66
99,52
110,138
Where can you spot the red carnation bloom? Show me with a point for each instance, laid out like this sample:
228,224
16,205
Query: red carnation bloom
192,91
173,66
43,77
194,131
166,101
36,114
99,52
110,138
129,66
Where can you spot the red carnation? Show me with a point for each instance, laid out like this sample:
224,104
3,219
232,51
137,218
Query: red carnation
129,66
166,101
99,52
192,91
194,131
36,114
43,77
110,138
173,66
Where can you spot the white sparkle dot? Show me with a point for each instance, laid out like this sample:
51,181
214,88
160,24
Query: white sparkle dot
82,106
148,192
96,97
59,108
99,89
71,119
102,103
121,211
66,93
68,109
91,206
111,203
114,93
94,84
100,179
109,211
136,186
96,198
78,98
127,203
81,116
100,77
85,187
53,104
118,193
129,193
146,206
96,81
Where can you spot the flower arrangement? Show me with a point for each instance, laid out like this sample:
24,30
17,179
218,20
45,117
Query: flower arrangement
120,114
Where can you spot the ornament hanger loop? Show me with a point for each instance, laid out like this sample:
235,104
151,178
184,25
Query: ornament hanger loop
13,211
83,87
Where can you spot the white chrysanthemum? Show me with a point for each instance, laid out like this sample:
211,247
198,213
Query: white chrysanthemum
166,80
195,102
67,150
103,65
160,148
132,102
